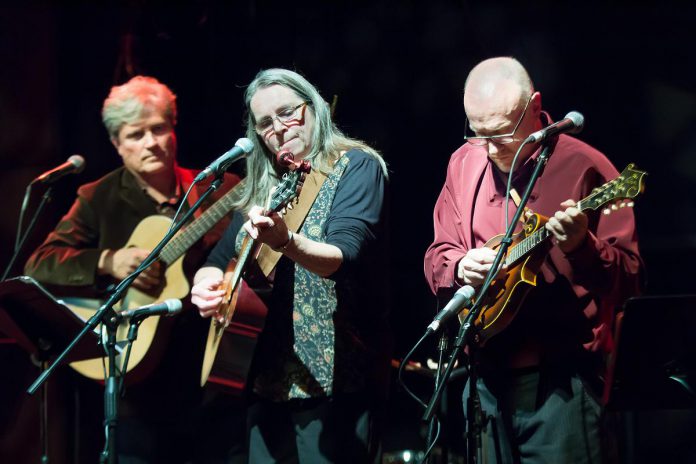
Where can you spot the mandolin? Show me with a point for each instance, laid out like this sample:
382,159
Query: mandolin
528,251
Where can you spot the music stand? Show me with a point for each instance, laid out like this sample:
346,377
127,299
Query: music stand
650,394
43,327
654,365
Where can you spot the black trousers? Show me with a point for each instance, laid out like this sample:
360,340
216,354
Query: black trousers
343,428
538,416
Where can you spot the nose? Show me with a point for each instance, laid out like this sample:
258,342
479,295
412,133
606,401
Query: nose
149,139
278,126
492,147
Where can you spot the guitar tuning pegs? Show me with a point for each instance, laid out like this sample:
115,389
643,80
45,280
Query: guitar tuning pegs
614,207
606,211
630,204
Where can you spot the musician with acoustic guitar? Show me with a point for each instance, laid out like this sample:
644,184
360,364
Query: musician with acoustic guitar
540,356
111,227
317,380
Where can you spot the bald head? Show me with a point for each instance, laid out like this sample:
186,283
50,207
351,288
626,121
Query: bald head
499,99
487,78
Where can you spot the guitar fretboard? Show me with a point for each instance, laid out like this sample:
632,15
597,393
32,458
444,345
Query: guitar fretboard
597,198
202,224
526,245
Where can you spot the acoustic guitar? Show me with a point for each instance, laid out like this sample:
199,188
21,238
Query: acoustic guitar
232,335
528,251
147,235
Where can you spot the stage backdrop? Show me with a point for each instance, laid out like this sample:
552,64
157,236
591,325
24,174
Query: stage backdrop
397,69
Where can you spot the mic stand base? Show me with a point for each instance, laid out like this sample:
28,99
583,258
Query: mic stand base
476,421
442,347
42,361
111,392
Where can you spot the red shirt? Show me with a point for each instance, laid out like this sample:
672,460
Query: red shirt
577,294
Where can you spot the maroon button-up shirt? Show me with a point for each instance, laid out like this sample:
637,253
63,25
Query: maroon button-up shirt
577,294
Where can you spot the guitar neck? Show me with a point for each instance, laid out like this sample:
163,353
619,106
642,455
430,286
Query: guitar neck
536,238
626,186
245,254
196,229
526,245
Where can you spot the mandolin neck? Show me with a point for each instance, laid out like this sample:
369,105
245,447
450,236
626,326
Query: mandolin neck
536,238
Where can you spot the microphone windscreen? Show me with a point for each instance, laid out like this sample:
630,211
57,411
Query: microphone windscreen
77,161
578,120
245,144
174,305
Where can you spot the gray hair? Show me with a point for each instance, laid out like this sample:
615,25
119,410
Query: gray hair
126,103
328,142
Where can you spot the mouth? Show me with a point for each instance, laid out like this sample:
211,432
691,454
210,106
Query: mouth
152,157
287,142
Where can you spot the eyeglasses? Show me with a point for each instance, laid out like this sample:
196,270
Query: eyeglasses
285,116
502,139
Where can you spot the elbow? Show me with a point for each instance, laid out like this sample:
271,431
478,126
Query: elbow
329,273
333,266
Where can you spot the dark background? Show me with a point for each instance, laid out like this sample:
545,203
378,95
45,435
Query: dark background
398,70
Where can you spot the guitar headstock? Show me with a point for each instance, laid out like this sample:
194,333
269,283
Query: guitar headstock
290,186
620,192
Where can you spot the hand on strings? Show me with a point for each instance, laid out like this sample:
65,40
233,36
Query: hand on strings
124,261
207,295
473,267
568,227
268,228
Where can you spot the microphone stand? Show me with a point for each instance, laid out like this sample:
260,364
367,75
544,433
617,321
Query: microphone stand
469,330
132,336
44,200
442,346
110,320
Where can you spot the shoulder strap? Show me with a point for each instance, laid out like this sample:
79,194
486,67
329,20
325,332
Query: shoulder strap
267,258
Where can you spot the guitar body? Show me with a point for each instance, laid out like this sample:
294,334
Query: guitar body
231,342
146,235
507,292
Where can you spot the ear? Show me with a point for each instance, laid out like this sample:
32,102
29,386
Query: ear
536,104
114,142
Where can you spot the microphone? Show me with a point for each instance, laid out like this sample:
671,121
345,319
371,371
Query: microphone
74,165
242,147
167,308
572,124
460,299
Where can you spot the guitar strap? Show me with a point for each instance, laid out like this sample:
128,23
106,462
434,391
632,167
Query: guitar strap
267,258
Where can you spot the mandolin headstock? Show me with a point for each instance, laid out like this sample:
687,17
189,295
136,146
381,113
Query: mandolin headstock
618,193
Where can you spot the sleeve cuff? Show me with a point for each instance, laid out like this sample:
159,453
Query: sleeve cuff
586,254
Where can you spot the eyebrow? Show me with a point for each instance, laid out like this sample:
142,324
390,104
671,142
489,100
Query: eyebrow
133,130
279,110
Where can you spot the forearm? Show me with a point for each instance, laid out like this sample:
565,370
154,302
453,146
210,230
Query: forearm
607,269
207,271
449,245
104,265
322,259
70,254
440,265
63,265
